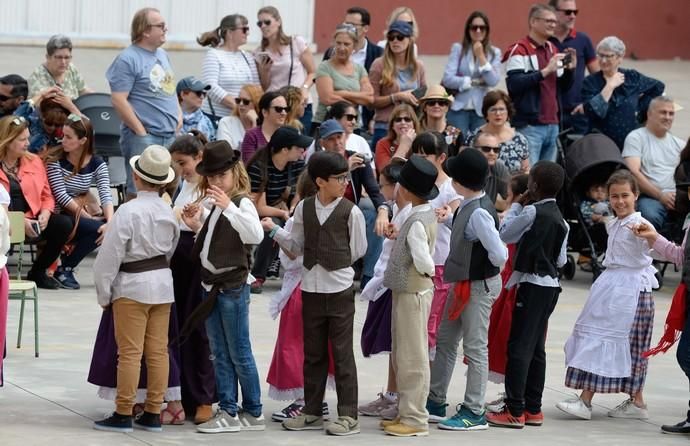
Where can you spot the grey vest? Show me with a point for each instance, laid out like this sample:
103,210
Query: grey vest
327,244
401,275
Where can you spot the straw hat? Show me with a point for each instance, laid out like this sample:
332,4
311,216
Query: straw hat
436,92
153,165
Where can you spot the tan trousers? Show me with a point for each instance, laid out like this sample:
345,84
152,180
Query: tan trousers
411,355
141,329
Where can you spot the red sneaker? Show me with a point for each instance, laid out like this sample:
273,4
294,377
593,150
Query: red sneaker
505,419
534,419
257,286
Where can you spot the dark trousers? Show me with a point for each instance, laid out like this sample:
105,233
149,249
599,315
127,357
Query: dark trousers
526,366
265,253
55,235
84,240
329,317
683,351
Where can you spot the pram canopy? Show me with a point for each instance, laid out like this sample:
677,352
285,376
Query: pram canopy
592,158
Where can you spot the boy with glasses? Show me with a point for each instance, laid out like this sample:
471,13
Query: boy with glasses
190,94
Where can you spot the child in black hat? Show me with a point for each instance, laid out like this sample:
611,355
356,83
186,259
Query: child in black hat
473,265
408,275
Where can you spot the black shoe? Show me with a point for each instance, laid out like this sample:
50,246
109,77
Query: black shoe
115,423
43,280
681,428
274,269
149,422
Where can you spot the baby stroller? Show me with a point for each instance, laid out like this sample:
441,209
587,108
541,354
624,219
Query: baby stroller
589,160
106,126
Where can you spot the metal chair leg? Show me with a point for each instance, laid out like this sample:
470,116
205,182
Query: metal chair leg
35,322
21,320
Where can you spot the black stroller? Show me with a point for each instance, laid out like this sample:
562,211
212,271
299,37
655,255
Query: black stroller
99,109
589,160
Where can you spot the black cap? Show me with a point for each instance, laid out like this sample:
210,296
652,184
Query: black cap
469,168
287,136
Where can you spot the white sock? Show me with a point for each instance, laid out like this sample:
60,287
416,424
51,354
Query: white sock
299,401
391,396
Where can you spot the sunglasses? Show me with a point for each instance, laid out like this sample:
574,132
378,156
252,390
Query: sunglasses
489,149
73,117
398,37
402,119
4,98
201,94
262,23
350,117
569,11
244,29
478,28
281,109
439,102
19,120
242,101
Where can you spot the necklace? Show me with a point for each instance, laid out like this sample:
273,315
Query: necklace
12,170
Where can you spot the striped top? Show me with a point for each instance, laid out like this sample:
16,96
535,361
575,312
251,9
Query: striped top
65,186
226,72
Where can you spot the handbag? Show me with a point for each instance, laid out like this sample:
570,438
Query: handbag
454,91
84,204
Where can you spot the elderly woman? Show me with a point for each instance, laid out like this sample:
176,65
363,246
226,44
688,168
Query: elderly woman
244,117
497,109
58,71
616,99
473,67
23,175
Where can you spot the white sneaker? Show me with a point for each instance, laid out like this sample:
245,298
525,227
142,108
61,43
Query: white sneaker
575,407
627,409
222,422
496,405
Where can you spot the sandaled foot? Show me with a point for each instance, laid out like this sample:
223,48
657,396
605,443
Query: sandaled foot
173,414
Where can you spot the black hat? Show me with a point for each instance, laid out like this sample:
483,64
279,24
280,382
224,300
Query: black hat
469,168
418,176
217,157
287,136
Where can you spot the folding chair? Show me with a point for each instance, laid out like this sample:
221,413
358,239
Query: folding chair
20,289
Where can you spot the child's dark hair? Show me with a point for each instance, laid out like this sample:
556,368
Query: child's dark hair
392,172
518,184
305,186
549,177
429,143
623,176
325,164
191,144
337,110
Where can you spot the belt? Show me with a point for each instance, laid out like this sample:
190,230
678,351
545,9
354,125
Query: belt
140,266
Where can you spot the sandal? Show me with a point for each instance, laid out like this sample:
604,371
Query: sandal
174,418
137,409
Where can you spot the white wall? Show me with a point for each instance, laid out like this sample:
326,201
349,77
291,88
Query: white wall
107,22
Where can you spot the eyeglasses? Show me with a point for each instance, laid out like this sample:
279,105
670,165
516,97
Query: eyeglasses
400,119
65,58
439,102
606,56
497,110
242,101
569,11
262,23
347,27
489,149
244,29
281,109
159,25
341,179
478,28
19,120
550,22
398,37
350,117
411,23
353,24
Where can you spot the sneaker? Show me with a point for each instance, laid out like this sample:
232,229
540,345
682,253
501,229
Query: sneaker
385,423
66,279
273,271
115,423
627,409
303,422
496,405
464,420
325,413
390,413
291,411
221,422
249,422
343,426
681,428
374,408
403,430
149,422
505,419
257,287
43,280
575,407
437,411
534,419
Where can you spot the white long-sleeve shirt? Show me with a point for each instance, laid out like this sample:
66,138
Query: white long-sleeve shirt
418,243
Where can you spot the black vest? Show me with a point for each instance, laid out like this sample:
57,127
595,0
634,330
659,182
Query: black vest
538,249
327,244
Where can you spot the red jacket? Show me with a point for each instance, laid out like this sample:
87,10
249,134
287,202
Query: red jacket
34,185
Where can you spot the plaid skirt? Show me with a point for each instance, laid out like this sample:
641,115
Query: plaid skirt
640,340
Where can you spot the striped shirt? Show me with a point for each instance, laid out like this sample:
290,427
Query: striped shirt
277,181
65,186
226,72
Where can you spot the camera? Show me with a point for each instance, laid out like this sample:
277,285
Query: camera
366,158
567,59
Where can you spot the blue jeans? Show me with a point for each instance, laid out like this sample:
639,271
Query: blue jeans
306,119
227,328
84,241
374,242
652,210
465,120
542,142
133,145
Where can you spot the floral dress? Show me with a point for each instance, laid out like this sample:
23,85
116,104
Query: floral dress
513,152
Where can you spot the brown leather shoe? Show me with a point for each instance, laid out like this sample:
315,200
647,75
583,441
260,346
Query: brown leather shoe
203,414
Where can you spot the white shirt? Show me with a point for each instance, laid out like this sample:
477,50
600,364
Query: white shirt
360,56
226,72
659,157
446,196
230,128
188,194
4,235
418,243
318,279
4,196
140,229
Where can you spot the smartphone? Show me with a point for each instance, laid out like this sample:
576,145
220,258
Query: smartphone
419,92
567,59
36,227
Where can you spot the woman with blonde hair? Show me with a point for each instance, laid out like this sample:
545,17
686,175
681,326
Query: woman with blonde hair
244,116
403,14
297,104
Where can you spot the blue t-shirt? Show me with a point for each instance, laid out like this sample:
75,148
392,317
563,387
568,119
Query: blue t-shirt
148,78
585,53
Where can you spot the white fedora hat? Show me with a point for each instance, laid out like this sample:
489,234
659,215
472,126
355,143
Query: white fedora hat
153,165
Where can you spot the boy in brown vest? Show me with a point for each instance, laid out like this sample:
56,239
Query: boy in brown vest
408,276
331,234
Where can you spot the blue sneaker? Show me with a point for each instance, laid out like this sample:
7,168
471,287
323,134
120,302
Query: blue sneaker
437,411
65,276
464,420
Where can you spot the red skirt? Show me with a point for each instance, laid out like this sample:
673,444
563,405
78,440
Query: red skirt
499,323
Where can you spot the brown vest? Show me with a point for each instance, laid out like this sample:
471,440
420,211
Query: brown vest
327,244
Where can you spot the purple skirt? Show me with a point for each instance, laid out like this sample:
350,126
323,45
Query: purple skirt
103,371
376,333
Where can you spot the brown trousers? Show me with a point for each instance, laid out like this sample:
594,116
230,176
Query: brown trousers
329,317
